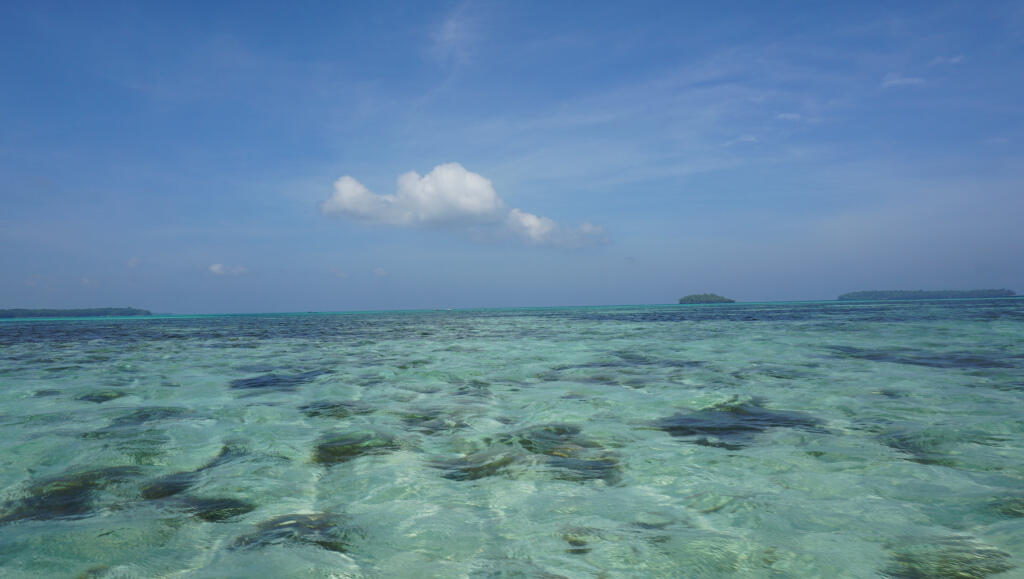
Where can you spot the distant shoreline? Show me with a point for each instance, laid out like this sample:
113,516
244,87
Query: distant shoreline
72,313
926,294
5,314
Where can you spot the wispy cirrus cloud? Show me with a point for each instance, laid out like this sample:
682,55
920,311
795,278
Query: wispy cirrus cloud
452,40
450,197
894,79
221,269
939,60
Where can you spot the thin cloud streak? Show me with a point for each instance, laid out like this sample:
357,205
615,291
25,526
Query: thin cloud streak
898,80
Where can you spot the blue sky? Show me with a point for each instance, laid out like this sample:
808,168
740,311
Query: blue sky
239,157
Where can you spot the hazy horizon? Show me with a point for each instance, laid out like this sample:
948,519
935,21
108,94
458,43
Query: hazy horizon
250,158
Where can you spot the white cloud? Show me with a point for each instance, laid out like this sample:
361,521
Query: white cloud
450,196
543,231
895,79
532,227
457,33
789,116
380,272
742,139
133,262
221,269
958,59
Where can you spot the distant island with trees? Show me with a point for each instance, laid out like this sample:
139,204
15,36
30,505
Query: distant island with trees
705,299
927,295
73,313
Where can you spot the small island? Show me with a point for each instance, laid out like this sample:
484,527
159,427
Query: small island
927,294
705,299
73,313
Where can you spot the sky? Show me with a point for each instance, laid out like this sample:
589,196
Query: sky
331,156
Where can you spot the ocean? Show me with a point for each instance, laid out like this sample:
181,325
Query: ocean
815,439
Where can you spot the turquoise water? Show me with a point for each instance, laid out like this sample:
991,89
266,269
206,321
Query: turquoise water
750,440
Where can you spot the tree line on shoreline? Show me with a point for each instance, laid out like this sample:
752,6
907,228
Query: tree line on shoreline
72,313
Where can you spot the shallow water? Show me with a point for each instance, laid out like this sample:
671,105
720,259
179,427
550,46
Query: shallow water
857,439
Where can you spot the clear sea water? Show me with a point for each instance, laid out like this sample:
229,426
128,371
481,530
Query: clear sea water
829,439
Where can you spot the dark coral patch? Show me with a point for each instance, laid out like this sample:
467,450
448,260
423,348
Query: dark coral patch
102,396
953,557
475,466
557,448
961,360
734,425
280,382
178,482
66,496
338,448
334,409
216,510
141,416
431,421
327,531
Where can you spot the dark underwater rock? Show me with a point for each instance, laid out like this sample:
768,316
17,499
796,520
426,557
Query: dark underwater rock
65,496
579,539
334,409
94,572
557,448
604,467
280,382
327,531
935,444
46,393
178,482
342,447
141,416
922,446
1009,506
509,568
475,466
953,557
551,439
170,485
102,396
961,360
140,446
734,425
431,421
216,510
571,456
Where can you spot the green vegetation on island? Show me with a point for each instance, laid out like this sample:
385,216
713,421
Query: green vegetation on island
73,313
927,295
705,299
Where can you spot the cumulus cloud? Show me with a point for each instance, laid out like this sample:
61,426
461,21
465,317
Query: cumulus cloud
543,231
221,269
452,197
895,80
448,194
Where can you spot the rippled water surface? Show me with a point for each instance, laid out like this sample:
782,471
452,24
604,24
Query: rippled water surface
752,440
